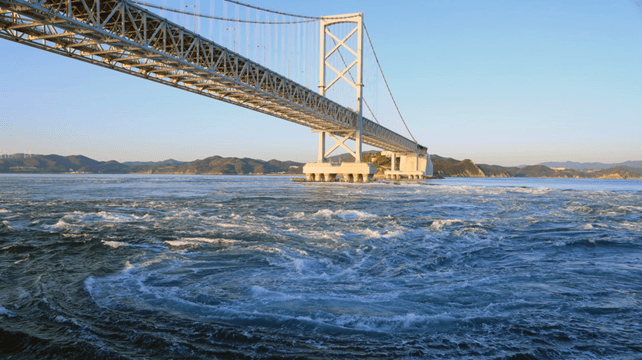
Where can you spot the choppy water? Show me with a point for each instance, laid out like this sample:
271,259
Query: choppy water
171,267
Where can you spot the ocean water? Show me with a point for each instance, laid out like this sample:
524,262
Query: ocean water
203,267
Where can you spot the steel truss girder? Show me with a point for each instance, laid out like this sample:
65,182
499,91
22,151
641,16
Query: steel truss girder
116,33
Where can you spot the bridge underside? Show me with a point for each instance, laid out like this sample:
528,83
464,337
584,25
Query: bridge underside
119,35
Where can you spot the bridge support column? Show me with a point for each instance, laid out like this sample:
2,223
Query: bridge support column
411,165
339,74
321,158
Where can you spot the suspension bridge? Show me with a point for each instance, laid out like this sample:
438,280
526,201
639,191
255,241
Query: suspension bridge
136,39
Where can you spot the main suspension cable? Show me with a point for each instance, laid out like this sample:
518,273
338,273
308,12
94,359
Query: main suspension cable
386,82
315,18
222,18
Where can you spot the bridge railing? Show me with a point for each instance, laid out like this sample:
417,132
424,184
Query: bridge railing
122,36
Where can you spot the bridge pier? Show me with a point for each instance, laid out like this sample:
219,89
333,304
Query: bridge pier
411,165
351,171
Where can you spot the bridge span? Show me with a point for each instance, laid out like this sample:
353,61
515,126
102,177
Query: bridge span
123,36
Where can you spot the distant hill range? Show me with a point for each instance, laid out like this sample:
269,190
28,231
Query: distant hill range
443,166
592,165
56,164
168,162
636,165
451,167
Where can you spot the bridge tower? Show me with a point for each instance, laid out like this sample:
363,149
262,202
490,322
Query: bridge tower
356,171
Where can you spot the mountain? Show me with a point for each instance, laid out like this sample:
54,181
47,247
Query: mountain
591,165
498,171
227,166
56,164
443,166
168,162
632,169
466,168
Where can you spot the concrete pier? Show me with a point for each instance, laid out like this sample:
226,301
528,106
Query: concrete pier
410,165
349,171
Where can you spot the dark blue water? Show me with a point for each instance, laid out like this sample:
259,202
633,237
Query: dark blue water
169,267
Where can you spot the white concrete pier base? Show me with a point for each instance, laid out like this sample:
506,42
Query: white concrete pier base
411,165
352,172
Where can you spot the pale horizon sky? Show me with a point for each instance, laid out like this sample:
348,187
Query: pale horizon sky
498,82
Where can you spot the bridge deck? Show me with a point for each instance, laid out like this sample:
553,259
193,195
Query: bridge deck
123,36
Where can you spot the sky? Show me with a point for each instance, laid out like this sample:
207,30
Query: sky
498,82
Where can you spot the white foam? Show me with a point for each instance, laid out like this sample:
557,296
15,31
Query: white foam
587,227
301,252
633,226
354,214
374,234
297,215
3,211
61,224
582,209
6,312
227,225
259,292
23,293
211,241
267,249
439,224
178,243
470,230
114,244
325,213
6,224
62,319
196,241
102,216
344,214
73,236
19,261
380,323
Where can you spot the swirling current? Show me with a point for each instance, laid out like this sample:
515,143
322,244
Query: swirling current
205,267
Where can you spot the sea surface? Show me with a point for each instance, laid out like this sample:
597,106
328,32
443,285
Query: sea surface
204,267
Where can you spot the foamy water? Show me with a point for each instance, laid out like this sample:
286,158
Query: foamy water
215,266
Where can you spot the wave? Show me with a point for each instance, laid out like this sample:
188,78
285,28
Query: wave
114,244
440,224
5,312
343,214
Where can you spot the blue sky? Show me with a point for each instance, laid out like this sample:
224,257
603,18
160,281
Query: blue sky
499,82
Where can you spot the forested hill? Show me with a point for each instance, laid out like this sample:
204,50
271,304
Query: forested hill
56,164
451,167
